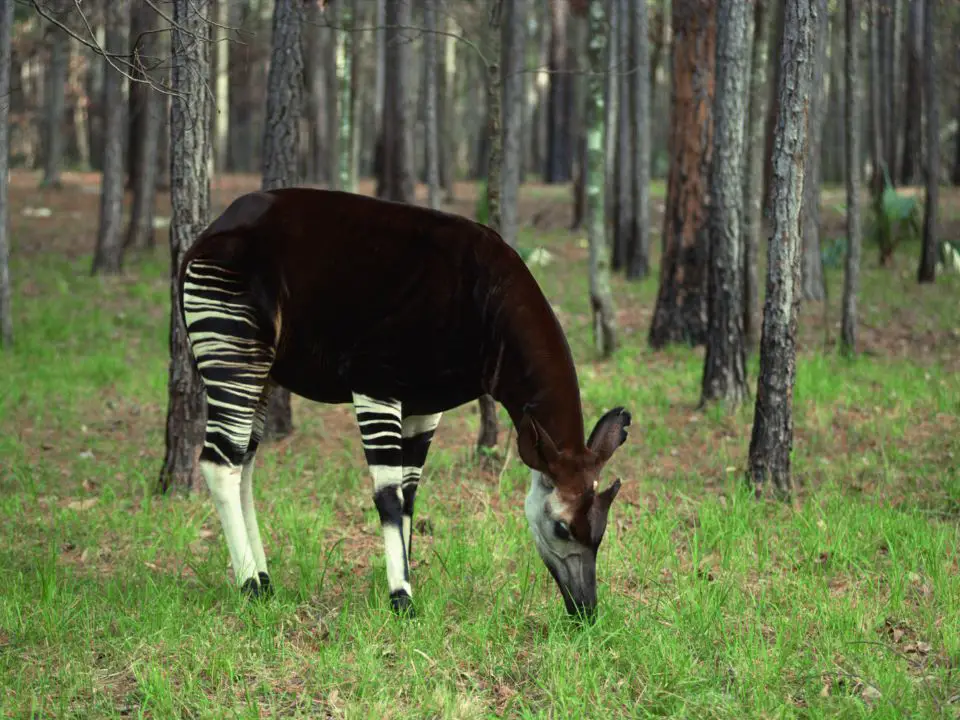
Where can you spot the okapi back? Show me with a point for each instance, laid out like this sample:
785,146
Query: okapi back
396,301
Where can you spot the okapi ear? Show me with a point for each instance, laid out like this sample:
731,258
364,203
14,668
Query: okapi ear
534,445
609,433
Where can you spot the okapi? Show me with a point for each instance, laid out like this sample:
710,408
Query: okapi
406,312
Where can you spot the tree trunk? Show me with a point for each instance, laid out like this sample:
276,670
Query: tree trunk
448,125
876,104
913,106
346,73
56,100
611,164
515,42
812,269
772,439
140,230
281,150
774,108
579,23
559,167
190,201
602,60
624,211
753,174
724,373
851,276
488,408
109,253
890,46
639,258
927,271
334,108
681,311
6,308
222,87
396,182
432,131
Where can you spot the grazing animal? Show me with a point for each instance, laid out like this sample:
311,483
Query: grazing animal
405,312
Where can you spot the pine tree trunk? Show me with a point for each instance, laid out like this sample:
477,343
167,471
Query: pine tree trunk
488,408
396,182
56,100
6,308
812,269
753,174
222,87
190,200
624,212
448,126
332,37
639,263
851,277
876,104
773,110
891,65
558,159
913,106
140,230
515,41
927,271
281,150
724,370
579,28
681,310
109,252
610,163
602,60
772,439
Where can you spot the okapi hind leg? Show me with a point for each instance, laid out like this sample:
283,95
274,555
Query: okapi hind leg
380,424
232,344
246,493
418,433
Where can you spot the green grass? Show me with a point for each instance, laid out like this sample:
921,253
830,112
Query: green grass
117,603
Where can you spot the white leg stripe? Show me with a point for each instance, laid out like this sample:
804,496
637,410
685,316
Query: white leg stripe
224,484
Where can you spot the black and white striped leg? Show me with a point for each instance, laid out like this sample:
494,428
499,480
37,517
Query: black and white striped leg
417,434
380,429
233,360
246,499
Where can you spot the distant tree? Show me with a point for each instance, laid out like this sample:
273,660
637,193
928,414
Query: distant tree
190,203
281,149
332,35
109,252
927,271
639,259
772,438
432,126
913,107
396,180
6,309
611,149
349,90
513,64
812,265
487,437
680,315
851,276
55,78
221,121
624,219
876,101
558,158
724,370
754,171
601,298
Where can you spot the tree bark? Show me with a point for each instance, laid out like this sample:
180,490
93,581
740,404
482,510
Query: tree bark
140,230
812,269
559,168
396,182
927,271
56,100
772,438
851,276
190,200
625,212
6,308
109,252
753,175
332,37
913,106
579,24
514,45
681,310
724,369
876,104
611,164
639,258
222,87
773,109
433,139
601,60
281,150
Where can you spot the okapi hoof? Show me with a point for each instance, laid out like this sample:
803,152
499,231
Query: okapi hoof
402,604
258,588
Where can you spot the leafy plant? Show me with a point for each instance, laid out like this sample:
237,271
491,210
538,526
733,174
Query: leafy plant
482,209
833,252
895,219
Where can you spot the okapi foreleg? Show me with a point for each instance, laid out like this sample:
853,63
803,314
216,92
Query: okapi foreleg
381,431
417,434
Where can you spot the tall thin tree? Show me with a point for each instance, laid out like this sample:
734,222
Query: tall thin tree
913,107
601,61
190,151
430,41
6,309
396,180
625,159
927,271
281,142
811,271
851,276
514,43
724,370
772,438
639,263
109,252
56,82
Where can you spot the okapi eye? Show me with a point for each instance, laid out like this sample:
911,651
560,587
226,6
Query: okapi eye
561,530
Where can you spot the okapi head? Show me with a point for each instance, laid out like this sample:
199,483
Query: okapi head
567,514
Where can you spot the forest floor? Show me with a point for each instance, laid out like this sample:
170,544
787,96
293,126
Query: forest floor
118,603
